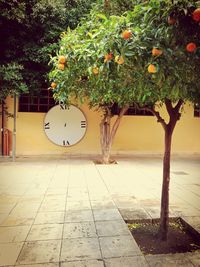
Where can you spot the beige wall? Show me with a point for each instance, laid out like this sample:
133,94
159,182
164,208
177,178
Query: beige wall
136,134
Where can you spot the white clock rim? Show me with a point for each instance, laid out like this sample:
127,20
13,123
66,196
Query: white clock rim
79,139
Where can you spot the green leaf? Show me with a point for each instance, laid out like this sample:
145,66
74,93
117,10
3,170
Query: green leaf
101,16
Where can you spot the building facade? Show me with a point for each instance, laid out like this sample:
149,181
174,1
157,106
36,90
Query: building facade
137,134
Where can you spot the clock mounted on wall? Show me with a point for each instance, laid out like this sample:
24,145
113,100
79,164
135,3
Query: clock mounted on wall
65,126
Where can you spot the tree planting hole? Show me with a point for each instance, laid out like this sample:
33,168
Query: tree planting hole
180,239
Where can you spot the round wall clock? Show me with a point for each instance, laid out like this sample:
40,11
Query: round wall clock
65,126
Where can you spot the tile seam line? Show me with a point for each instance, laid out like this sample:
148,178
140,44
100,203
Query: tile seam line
94,218
35,216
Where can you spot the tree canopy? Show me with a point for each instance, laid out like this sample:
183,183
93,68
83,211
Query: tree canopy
149,55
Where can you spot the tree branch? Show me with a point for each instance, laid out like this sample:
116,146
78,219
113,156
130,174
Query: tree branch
155,113
178,105
169,106
116,123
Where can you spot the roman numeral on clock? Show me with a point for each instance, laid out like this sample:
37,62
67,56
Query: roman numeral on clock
83,124
46,125
66,143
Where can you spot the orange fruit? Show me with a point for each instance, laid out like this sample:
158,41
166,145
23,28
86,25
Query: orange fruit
171,20
53,85
152,68
61,66
108,57
196,15
119,60
62,60
95,70
126,34
156,52
191,47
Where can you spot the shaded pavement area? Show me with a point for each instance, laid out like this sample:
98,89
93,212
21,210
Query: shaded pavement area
69,212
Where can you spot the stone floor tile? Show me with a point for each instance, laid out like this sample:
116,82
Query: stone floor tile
80,229
153,211
107,214
77,194
45,232
15,220
193,221
49,217
112,228
9,253
88,263
102,204
125,203
39,265
3,216
31,199
169,260
194,257
137,214
136,261
78,205
79,216
56,191
40,252
25,208
80,248
52,205
119,246
185,210
13,233
6,208
8,198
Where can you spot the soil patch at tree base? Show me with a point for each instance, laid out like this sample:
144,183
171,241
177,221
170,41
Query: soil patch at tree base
180,239
111,161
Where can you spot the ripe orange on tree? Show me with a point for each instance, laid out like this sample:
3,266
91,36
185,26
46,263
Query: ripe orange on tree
62,60
152,68
126,34
53,85
191,47
156,52
95,70
61,66
119,60
196,15
108,57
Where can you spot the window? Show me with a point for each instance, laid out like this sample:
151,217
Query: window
196,110
36,103
132,111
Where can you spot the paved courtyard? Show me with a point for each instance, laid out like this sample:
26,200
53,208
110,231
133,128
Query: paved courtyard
68,212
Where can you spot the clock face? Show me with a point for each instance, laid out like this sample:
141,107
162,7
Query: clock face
65,127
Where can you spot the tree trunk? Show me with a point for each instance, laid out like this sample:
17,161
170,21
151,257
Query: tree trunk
164,215
174,116
105,140
107,133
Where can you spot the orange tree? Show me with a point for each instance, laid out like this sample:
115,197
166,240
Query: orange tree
149,56
93,65
168,45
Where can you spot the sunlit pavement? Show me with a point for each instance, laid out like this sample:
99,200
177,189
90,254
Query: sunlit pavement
68,212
